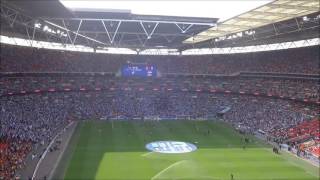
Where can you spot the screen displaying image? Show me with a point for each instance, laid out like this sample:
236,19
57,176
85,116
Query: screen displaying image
140,70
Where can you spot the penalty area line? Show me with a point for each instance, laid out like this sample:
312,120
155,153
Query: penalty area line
147,154
167,168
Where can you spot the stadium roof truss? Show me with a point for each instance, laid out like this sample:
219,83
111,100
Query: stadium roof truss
276,11
76,33
112,26
157,51
28,25
133,31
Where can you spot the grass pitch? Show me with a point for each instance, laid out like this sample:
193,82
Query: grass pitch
116,151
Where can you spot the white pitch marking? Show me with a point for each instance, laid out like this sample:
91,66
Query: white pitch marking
164,170
147,154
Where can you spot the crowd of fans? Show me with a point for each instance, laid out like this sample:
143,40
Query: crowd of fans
304,136
12,155
306,90
34,109
36,118
302,132
26,124
302,60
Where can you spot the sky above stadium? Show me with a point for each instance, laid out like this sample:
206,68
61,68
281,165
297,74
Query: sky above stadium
222,9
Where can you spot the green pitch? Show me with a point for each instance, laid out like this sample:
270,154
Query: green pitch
100,150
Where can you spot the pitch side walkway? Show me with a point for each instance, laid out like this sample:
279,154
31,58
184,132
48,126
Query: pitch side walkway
48,164
288,153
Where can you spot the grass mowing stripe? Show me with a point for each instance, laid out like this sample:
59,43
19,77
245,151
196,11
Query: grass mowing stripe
118,153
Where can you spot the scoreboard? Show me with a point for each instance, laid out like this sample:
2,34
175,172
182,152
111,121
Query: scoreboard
138,70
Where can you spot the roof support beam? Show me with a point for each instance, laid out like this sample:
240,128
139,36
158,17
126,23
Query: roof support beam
14,19
108,32
134,33
298,24
219,31
13,13
254,20
73,33
28,35
120,40
67,30
269,13
33,33
136,20
149,35
25,21
143,43
184,29
64,24
233,26
309,8
8,16
75,37
275,29
278,15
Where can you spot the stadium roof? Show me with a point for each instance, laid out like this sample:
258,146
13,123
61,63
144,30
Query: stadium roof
270,13
199,8
101,28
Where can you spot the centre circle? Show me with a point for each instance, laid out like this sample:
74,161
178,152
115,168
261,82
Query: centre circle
171,147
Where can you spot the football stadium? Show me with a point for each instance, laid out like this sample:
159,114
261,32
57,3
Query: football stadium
159,90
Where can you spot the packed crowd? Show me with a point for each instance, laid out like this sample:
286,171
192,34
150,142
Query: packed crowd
302,60
304,136
306,90
31,120
302,132
26,124
35,118
12,155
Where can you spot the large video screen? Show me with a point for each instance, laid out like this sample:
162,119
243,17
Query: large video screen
139,70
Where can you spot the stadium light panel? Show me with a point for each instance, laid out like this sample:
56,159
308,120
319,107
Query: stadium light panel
202,8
